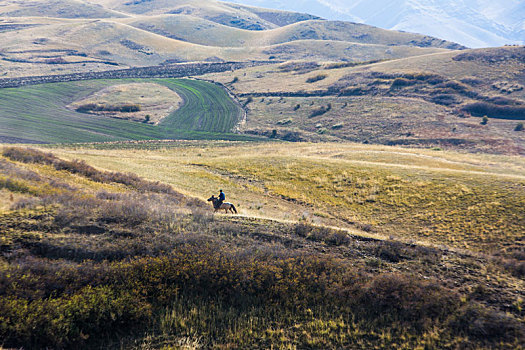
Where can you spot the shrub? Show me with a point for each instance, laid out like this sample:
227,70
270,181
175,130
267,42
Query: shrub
320,111
14,185
484,324
28,155
56,60
316,78
95,107
284,121
492,110
401,82
297,106
299,66
485,120
445,99
248,101
519,127
353,91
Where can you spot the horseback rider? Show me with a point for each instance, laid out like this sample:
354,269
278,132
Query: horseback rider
222,197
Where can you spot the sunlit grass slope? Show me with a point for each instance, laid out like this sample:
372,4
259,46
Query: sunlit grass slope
39,114
91,259
462,201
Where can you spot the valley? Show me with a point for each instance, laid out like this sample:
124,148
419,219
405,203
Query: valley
378,178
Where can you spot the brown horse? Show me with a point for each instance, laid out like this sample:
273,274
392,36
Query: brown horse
224,205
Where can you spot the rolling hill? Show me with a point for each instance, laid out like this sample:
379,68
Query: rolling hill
82,36
434,100
344,81
94,257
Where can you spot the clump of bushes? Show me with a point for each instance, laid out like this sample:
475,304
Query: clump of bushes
299,66
519,127
413,77
339,65
353,91
96,107
320,111
316,78
322,234
248,101
401,82
29,155
492,110
56,60
284,121
445,99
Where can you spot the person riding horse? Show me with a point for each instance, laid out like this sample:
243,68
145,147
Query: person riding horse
222,197
219,203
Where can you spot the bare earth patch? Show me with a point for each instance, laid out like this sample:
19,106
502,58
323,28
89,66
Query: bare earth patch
154,102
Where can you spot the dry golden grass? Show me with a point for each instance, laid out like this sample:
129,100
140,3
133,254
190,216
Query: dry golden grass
458,200
68,36
92,258
371,109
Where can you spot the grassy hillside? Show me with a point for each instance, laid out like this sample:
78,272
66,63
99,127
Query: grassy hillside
40,113
52,37
434,100
55,8
461,201
95,259
204,32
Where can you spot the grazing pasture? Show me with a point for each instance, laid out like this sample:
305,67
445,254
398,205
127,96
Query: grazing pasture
91,258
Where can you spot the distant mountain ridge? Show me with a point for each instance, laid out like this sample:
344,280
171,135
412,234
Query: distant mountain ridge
473,23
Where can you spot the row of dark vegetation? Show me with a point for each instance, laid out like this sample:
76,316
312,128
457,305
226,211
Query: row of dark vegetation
316,78
493,110
339,65
85,268
29,155
321,110
98,107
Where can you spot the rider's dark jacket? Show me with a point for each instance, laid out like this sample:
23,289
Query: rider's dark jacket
222,197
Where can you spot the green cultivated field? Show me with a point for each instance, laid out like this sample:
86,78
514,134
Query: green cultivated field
39,114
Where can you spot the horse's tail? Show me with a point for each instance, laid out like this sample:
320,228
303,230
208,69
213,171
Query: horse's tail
235,210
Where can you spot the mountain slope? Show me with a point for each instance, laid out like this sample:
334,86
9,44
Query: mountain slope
435,100
474,23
